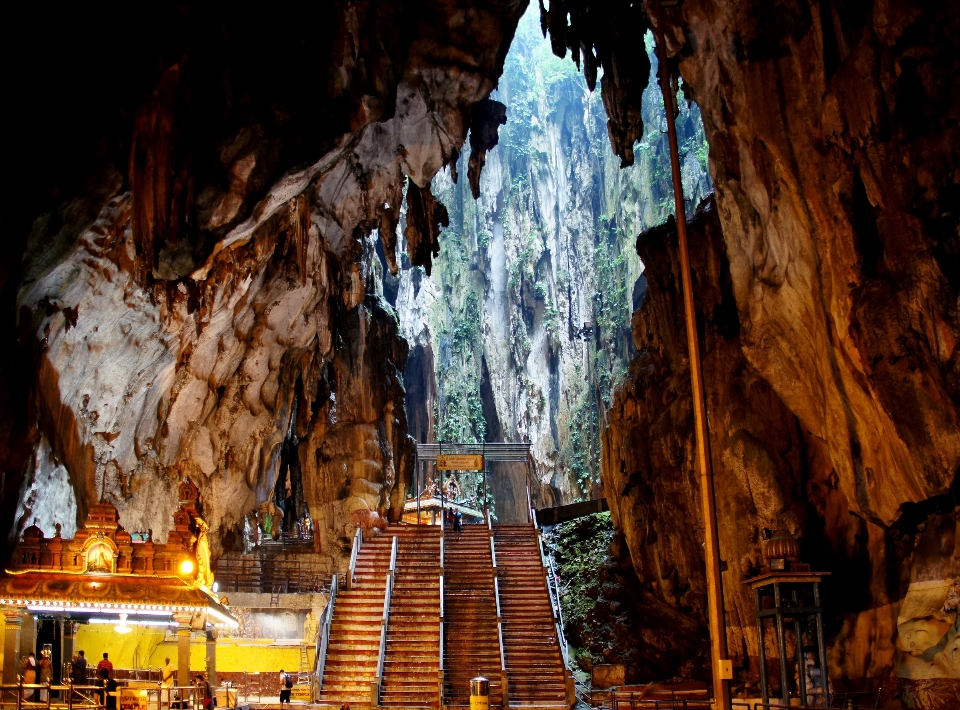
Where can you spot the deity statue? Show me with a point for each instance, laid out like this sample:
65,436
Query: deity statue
310,628
204,573
100,558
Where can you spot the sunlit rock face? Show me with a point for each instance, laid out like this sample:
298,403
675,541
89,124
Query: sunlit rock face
832,373
209,303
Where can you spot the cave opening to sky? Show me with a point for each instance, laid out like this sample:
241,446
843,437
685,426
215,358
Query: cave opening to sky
522,330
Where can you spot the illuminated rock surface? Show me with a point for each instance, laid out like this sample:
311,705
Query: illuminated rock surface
830,343
187,286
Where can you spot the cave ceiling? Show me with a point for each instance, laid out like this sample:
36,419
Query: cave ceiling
186,287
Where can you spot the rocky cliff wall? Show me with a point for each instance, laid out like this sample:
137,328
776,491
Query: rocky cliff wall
209,303
830,334
546,248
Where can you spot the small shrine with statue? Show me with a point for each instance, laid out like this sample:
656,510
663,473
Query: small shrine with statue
106,570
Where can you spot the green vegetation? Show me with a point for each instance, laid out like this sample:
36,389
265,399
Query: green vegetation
569,218
580,548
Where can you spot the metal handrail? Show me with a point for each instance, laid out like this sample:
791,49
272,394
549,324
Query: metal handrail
440,673
441,554
354,553
385,618
493,552
503,661
323,639
554,593
394,546
496,594
165,696
530,511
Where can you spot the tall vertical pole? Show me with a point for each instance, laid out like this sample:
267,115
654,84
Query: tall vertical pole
715,620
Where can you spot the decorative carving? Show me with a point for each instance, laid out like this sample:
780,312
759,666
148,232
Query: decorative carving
781,550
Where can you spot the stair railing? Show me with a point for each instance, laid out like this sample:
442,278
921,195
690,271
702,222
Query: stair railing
530,510
354,553
384,622
440,673
323,638
504,681
441,556
550,577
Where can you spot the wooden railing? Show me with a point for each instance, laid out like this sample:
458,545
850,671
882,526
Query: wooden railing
385,622
323,638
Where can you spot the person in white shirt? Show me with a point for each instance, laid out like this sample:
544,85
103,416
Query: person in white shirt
166,678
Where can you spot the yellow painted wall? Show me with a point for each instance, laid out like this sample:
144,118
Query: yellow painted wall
144,647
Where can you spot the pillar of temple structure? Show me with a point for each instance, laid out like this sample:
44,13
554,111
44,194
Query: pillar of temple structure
67,628
11,645
183,648
212,657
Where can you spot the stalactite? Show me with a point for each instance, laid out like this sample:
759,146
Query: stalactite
608,35
425,216
488,116
157,203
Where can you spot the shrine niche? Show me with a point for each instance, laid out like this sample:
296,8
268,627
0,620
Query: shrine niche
100,555
102,546
106,567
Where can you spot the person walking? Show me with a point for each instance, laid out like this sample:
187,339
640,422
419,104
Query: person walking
458,523
30,676
105,663
78,669
286,686
206,692
108,686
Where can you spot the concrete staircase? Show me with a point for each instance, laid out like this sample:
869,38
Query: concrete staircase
412,660
471,642
536,671
354,647
535,675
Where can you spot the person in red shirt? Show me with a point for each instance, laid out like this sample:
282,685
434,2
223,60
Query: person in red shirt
105,663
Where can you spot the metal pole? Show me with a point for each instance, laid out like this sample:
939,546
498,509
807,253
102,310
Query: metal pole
821,646
781,645
715,619
801,668
764,692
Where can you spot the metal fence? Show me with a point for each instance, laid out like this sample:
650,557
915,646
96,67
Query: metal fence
266,575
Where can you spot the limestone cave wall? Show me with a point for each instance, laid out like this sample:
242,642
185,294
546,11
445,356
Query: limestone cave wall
827,281
546,247
192,286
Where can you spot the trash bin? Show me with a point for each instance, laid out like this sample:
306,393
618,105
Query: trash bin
479,693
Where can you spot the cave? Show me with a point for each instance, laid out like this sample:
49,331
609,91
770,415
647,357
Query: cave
258,258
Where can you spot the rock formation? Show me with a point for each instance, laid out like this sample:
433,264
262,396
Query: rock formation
546,247
190,286
206,302
831,323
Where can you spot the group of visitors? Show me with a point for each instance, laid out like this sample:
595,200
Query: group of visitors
34,672
449,490
39,672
